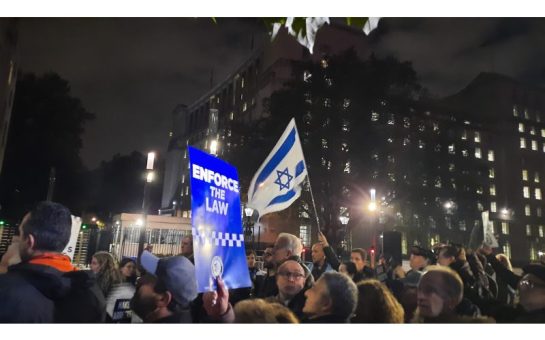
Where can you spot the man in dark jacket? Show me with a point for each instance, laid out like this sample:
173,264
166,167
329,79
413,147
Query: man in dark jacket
333,299
324,258
45,286
164,294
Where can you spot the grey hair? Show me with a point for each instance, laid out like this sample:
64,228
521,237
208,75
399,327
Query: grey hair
342,292
290,242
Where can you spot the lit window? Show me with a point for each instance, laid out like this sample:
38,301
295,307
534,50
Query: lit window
183,178
524,175
465,153
306,76
505,228
521,127
421,144
406,141
438,182
244,107
480,206
327,102
477,152
324,143
464,135
324,63
528,230
406,122
231,116
344,146
526,192
515,111
477,137
185,154
436,127
526,114
347,167
532,130
462,225
374,116
451,149
536,177
242,82
187,190
507,249
540,230
527,210
493,206
391,119
421,127
492,190
538,212
479,190
534,145
537,193
522,143
390,140
329,82
543,148
491,173
304,235
491,155
543,133
346,103
451,167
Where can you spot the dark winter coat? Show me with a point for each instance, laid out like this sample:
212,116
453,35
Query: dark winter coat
33,293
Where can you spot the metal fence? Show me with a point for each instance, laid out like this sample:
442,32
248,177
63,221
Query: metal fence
164,242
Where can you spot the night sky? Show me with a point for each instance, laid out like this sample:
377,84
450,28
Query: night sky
131,72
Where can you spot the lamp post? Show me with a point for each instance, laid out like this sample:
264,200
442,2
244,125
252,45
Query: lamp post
248,212
149,179
348,233
372,207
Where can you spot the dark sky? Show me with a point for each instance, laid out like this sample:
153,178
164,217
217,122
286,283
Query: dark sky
132,72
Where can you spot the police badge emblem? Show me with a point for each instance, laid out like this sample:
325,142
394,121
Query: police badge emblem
216,268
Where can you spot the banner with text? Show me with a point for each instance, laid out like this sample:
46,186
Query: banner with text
70,248
216,218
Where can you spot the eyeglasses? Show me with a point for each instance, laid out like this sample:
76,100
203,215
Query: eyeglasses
294,276
528,284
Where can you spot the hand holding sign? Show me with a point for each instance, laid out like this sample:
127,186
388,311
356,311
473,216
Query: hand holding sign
216,303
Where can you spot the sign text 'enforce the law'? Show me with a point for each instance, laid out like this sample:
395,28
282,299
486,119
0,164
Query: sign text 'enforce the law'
217,203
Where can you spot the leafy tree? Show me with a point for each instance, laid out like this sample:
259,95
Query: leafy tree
46,127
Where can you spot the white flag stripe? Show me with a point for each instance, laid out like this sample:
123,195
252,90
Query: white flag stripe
277,183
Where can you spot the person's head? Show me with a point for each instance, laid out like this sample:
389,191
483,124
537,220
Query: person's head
170,284
187,246
261,311
250,258
104,265
447,255
503,259
286,245
127,267
358,256
420,258
290,278
376,304
532,287
333,294
46,228
318,255
268,262
439,292
348,269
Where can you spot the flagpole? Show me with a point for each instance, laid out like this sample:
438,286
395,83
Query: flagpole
309,185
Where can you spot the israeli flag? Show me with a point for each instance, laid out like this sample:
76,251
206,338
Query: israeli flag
277,183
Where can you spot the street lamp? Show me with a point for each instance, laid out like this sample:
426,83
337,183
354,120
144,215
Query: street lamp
348,234
214,147
149,179
248,212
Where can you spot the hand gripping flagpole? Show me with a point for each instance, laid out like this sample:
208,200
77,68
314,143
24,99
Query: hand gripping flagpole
310,186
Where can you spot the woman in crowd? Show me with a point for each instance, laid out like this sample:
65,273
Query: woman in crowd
127,268
104,265
376,304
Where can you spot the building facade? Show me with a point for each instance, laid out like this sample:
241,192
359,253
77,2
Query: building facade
433,165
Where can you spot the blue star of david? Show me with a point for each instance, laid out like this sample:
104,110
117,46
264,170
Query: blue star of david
281,174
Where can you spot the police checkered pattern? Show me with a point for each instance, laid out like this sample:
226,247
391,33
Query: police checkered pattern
217,238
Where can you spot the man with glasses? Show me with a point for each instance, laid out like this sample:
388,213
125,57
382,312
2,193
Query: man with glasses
291,280
266,286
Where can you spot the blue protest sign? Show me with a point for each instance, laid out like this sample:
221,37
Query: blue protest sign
218,240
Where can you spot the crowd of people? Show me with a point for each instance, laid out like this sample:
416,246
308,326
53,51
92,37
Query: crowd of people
446,284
